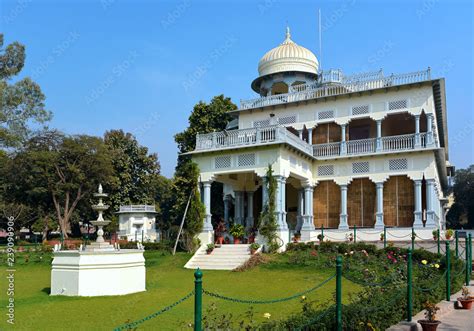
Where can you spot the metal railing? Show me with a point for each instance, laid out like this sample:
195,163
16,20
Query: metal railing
247,137
313,91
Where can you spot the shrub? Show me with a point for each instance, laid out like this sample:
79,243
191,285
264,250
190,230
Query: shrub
237,231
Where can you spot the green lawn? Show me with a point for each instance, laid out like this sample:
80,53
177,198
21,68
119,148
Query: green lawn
167,281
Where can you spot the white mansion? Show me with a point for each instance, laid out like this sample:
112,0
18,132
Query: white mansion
367,150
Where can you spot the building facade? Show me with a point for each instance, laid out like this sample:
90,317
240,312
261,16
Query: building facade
138,223
367,150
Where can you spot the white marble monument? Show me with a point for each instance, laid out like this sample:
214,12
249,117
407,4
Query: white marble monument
100,268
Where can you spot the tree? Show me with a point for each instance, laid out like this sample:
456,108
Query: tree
135,170
21,103
203,119
464,199
64,169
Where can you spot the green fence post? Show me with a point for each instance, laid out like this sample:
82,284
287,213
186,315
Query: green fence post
439,244
384,237
470,256
355,233
456,238
448,272
322,232
467,261
412,239
409,286
198,300
339,293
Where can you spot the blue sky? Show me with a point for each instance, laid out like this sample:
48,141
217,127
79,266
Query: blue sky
142,65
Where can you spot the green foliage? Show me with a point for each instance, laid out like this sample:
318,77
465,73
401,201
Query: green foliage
461,214
135,170
204,118
165,246
267,222
254,246
237,231
21,103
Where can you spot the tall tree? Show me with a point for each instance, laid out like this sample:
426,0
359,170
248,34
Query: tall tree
21,103
135,170
464,199
204,118
66,169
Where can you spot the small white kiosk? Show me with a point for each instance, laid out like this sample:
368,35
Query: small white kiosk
138,223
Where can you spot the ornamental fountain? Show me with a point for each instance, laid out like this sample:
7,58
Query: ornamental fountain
100,268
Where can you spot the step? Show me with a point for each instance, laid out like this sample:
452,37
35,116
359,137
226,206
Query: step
225,257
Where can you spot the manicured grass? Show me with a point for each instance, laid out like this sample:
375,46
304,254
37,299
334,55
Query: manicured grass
167,281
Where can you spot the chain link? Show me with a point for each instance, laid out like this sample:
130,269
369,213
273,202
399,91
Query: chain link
405,236
260,302
317,318
155,314
388,280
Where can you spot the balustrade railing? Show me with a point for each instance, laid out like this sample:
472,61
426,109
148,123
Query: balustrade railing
324,150
361,146
396,143
253,136
137,208
312,91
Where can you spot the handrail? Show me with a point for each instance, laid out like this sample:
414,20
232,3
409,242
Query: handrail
313,91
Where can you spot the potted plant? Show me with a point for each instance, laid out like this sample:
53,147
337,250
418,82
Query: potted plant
449,234
350,237
253,248
435,234
297,237
466,300
429,323
227,240
210,248
220,230
252,234
320,237
237,231
382,237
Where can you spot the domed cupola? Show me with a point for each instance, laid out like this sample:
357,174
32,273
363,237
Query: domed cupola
287,64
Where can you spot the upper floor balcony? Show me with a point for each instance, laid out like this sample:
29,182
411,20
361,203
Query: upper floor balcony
396,133
333,83
137,209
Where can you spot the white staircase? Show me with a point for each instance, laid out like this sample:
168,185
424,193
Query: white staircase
226,257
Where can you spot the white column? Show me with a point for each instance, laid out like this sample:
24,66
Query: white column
283,202
226,211
430,219
379,224
418,223
300,134
343,216
249,220
343,140
308,224
300,210
429,127
237,209
378,146
207,205
280,203
417,131
310,136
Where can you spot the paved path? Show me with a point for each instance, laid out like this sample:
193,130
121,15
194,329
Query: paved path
458,319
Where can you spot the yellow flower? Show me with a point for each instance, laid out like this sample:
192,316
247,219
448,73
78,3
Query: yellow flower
424,262
303,297
436,266
267,315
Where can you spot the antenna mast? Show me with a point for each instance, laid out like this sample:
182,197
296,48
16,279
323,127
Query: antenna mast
320,43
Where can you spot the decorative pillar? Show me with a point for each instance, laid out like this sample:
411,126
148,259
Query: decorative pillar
300,210
430,214
300,134
226,211
264,191
379,224
417,132
378,141
308,209
249,219
429,127
237,210
207,205
280,203
418,223
343,216
310,136
343,140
